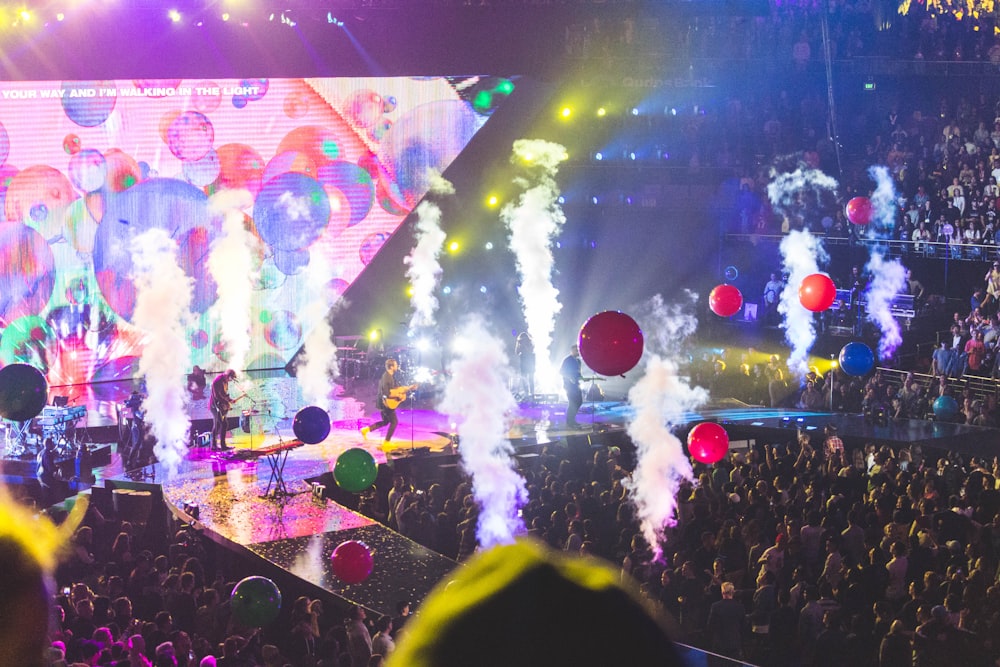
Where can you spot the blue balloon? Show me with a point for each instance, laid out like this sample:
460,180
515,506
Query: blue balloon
311,425
857,359
945,407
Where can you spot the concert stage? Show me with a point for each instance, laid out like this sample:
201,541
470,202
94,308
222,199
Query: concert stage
234,498
262,498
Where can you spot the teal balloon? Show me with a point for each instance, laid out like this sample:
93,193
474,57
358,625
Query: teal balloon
255,602
945,407
857,359
355,470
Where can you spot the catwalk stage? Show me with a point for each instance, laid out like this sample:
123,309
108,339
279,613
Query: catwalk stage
261,497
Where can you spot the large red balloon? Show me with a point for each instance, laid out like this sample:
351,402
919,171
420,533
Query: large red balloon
352,562
725,300
611,343
708,442
817,292
859,210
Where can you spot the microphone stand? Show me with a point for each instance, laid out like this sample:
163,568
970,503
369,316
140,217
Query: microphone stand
413,401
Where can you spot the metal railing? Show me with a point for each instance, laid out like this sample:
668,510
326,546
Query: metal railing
893,249
980,387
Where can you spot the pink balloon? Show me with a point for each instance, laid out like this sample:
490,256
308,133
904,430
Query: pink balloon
859,210
708,442
352,562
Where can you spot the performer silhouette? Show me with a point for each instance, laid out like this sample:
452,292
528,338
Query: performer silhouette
219,404
570,370
390,395
524,348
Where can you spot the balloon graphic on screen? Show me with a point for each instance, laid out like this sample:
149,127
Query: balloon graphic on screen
352,562
611,343
159,203
859,210
84,106
190,136
424,140
23,392
291,211
27,270
725,300
817,292
355,470
708,442
856,359
255,602
354,182
311,425
945,407
240,166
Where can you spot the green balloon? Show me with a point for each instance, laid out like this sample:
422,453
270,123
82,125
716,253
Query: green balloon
255,602
355,470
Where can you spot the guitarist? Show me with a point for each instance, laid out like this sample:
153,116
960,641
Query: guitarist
219,404
390,395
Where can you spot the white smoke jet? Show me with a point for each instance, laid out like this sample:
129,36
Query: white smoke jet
883,203
801,253
162,310
661,466
659,396
888,279
532,223
317,366
478,398
666,326
801,195
232,265
425,269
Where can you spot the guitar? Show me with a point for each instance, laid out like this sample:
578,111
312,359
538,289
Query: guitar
397,396
219,406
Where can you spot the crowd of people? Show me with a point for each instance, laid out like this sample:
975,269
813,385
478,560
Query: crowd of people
129,596
803,552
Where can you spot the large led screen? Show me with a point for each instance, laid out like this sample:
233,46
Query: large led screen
321,170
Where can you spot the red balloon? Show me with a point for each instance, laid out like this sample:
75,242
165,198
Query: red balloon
708,442
817,292
725,300
611,343
859,210
352,562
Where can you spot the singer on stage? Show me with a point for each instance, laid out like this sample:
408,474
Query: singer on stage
390,395
219,404
570,370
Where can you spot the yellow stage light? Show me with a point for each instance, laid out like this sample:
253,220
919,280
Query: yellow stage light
565,113
453,246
